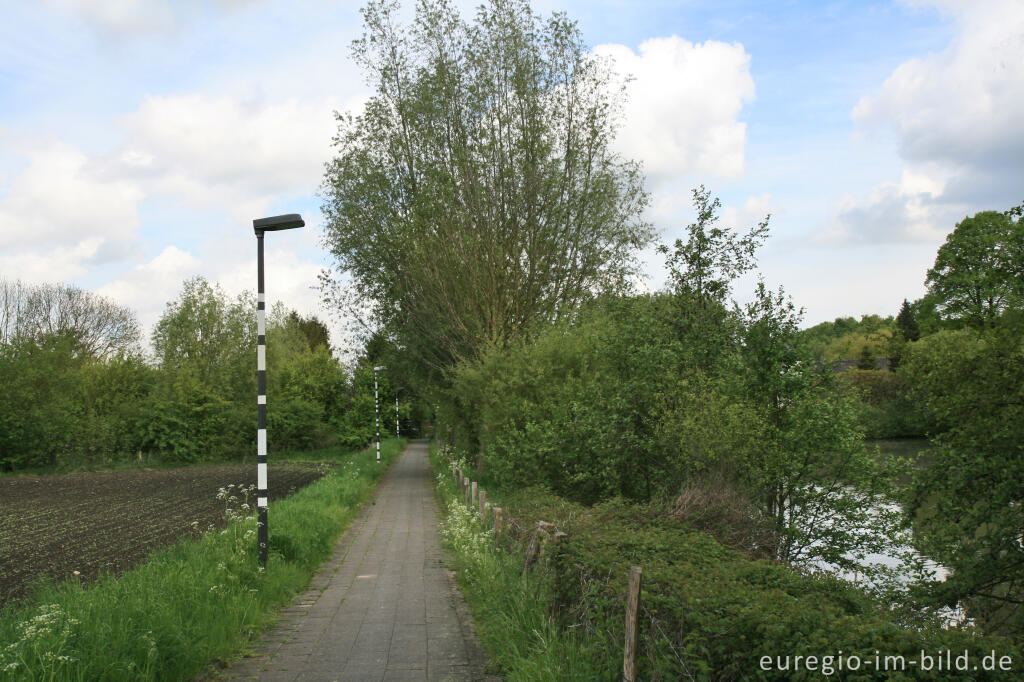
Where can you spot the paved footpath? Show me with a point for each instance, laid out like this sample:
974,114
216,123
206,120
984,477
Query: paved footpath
384,607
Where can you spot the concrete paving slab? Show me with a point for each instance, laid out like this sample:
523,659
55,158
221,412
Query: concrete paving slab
383,607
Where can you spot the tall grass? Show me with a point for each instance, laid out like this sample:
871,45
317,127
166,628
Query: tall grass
197,602
510,608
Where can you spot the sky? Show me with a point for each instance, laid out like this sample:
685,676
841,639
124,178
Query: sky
140,138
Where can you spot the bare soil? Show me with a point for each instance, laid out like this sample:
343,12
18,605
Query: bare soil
79,526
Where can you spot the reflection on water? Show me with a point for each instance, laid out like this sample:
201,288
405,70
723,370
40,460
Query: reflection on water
902,562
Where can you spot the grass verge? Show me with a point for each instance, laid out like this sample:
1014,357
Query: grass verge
510,608
197,602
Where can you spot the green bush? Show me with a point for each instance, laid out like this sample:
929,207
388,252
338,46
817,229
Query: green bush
579,409
708,612
40,417
65,409
296,423
885,405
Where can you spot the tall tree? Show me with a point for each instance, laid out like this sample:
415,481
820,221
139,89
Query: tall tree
478,193
817,483
979,271
98,326
906,323
866,357
208,334
701,272
312,328
966,503
705,265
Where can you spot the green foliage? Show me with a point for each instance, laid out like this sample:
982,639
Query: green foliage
187,420
478,194
39,415
813,477
577,408
511,612
64,408
866,358
708,613
357,420
193,604
619,405
966,504
846,339
712,257
906,323
210,335
979,271
313,329
885,405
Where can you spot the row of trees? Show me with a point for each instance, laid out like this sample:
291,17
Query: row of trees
954,374
643,396
79,391
965,371
483,217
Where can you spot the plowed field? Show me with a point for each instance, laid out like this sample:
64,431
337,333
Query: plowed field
77,526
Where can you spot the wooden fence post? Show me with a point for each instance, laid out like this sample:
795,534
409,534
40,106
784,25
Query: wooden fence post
468,490
531,549
536,547
632,611
483,505
474,496
546,528
558,563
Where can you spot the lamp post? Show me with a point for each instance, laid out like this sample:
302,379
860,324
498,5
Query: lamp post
260,226
400,388
376,406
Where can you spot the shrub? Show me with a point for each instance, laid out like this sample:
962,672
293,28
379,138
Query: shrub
709,612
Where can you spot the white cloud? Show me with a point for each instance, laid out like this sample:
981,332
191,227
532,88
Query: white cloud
120,16
56,264
914,209
225,152
230,262
683,105
956,118
962,105
148,287
138,18
62,198
752,212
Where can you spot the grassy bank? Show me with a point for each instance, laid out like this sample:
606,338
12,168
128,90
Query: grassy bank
197,602
510,608
708,612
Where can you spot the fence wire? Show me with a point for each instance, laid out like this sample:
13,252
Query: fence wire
651,640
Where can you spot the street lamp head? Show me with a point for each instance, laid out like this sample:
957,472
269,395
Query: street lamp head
377,369
277,222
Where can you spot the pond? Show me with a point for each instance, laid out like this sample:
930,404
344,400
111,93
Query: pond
917,450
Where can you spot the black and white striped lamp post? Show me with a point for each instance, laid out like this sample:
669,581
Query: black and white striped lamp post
400,388
376,406
261,225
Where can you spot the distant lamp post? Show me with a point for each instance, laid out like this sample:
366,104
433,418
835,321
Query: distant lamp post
261,225
376,406
400,388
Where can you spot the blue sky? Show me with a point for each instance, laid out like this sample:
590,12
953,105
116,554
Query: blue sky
138,139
